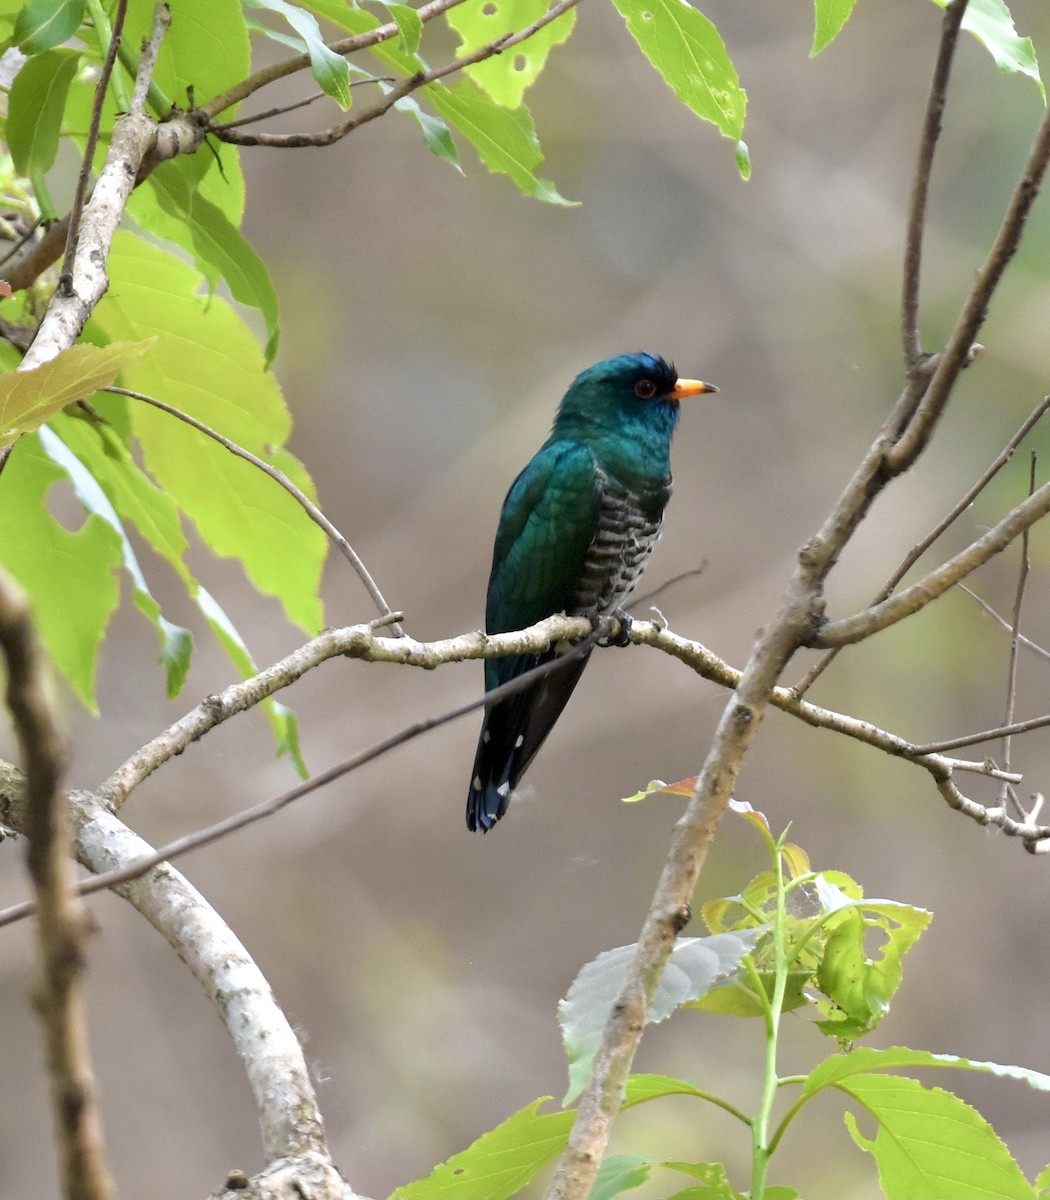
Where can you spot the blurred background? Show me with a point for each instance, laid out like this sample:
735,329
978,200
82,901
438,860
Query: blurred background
431,322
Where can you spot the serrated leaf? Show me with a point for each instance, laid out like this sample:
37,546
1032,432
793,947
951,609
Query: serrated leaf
992,25
328,68
503,137
43,24
206,362
860,986
69,577
931,1143
505,77
687,50
171,206
865,1059
36,103
695,966
829,18
154,516
176,643
29,398
500,1162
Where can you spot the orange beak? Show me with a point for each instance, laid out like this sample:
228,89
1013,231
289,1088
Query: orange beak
690,387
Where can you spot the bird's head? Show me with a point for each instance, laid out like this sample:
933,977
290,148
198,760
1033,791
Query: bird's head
630,394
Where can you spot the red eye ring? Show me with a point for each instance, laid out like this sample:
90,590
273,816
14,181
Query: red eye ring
645,389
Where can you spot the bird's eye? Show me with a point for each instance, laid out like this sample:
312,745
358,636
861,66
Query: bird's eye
645,389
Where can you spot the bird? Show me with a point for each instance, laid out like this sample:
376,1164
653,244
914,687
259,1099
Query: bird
574,535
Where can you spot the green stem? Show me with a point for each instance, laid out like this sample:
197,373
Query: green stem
761,1148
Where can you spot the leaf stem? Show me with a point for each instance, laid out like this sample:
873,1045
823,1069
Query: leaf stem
761,1147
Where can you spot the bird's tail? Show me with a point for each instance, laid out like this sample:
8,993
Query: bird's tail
513,730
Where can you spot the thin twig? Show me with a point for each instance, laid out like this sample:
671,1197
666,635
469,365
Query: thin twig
1005,793
279,477
880,616
62,931
311,99
920,548
986,735
65,281
327,137
301,62
148,58
931,131
1027,643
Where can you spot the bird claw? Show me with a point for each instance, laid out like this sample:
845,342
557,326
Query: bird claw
623,635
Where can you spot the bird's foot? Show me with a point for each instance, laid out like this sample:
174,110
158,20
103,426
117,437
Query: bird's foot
622,637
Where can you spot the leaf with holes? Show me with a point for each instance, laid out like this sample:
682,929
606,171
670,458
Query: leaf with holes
504,138
506,76
687,50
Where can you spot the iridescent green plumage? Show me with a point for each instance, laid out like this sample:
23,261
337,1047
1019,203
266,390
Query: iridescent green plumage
576,530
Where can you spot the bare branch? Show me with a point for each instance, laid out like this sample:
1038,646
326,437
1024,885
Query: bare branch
959,351
920,548
62,931
911,600
297,494
1024,641
135,139
931,131
80,195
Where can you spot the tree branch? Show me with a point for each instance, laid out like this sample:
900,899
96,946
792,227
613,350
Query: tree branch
62,929
916,597
931,131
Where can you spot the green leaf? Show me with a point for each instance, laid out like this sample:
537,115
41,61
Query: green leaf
409,25
685,47
865,1059
176,644
329,69
620,1173
829,18
695,966
171,206
506,76
392,53
436,134
859,986
992,25
69,577
36,103
29,398
641,1088
500,1162
504,138
206,363
43,24
282,720
206,47
930,1143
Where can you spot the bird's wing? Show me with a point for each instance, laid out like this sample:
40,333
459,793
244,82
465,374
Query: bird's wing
549,519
